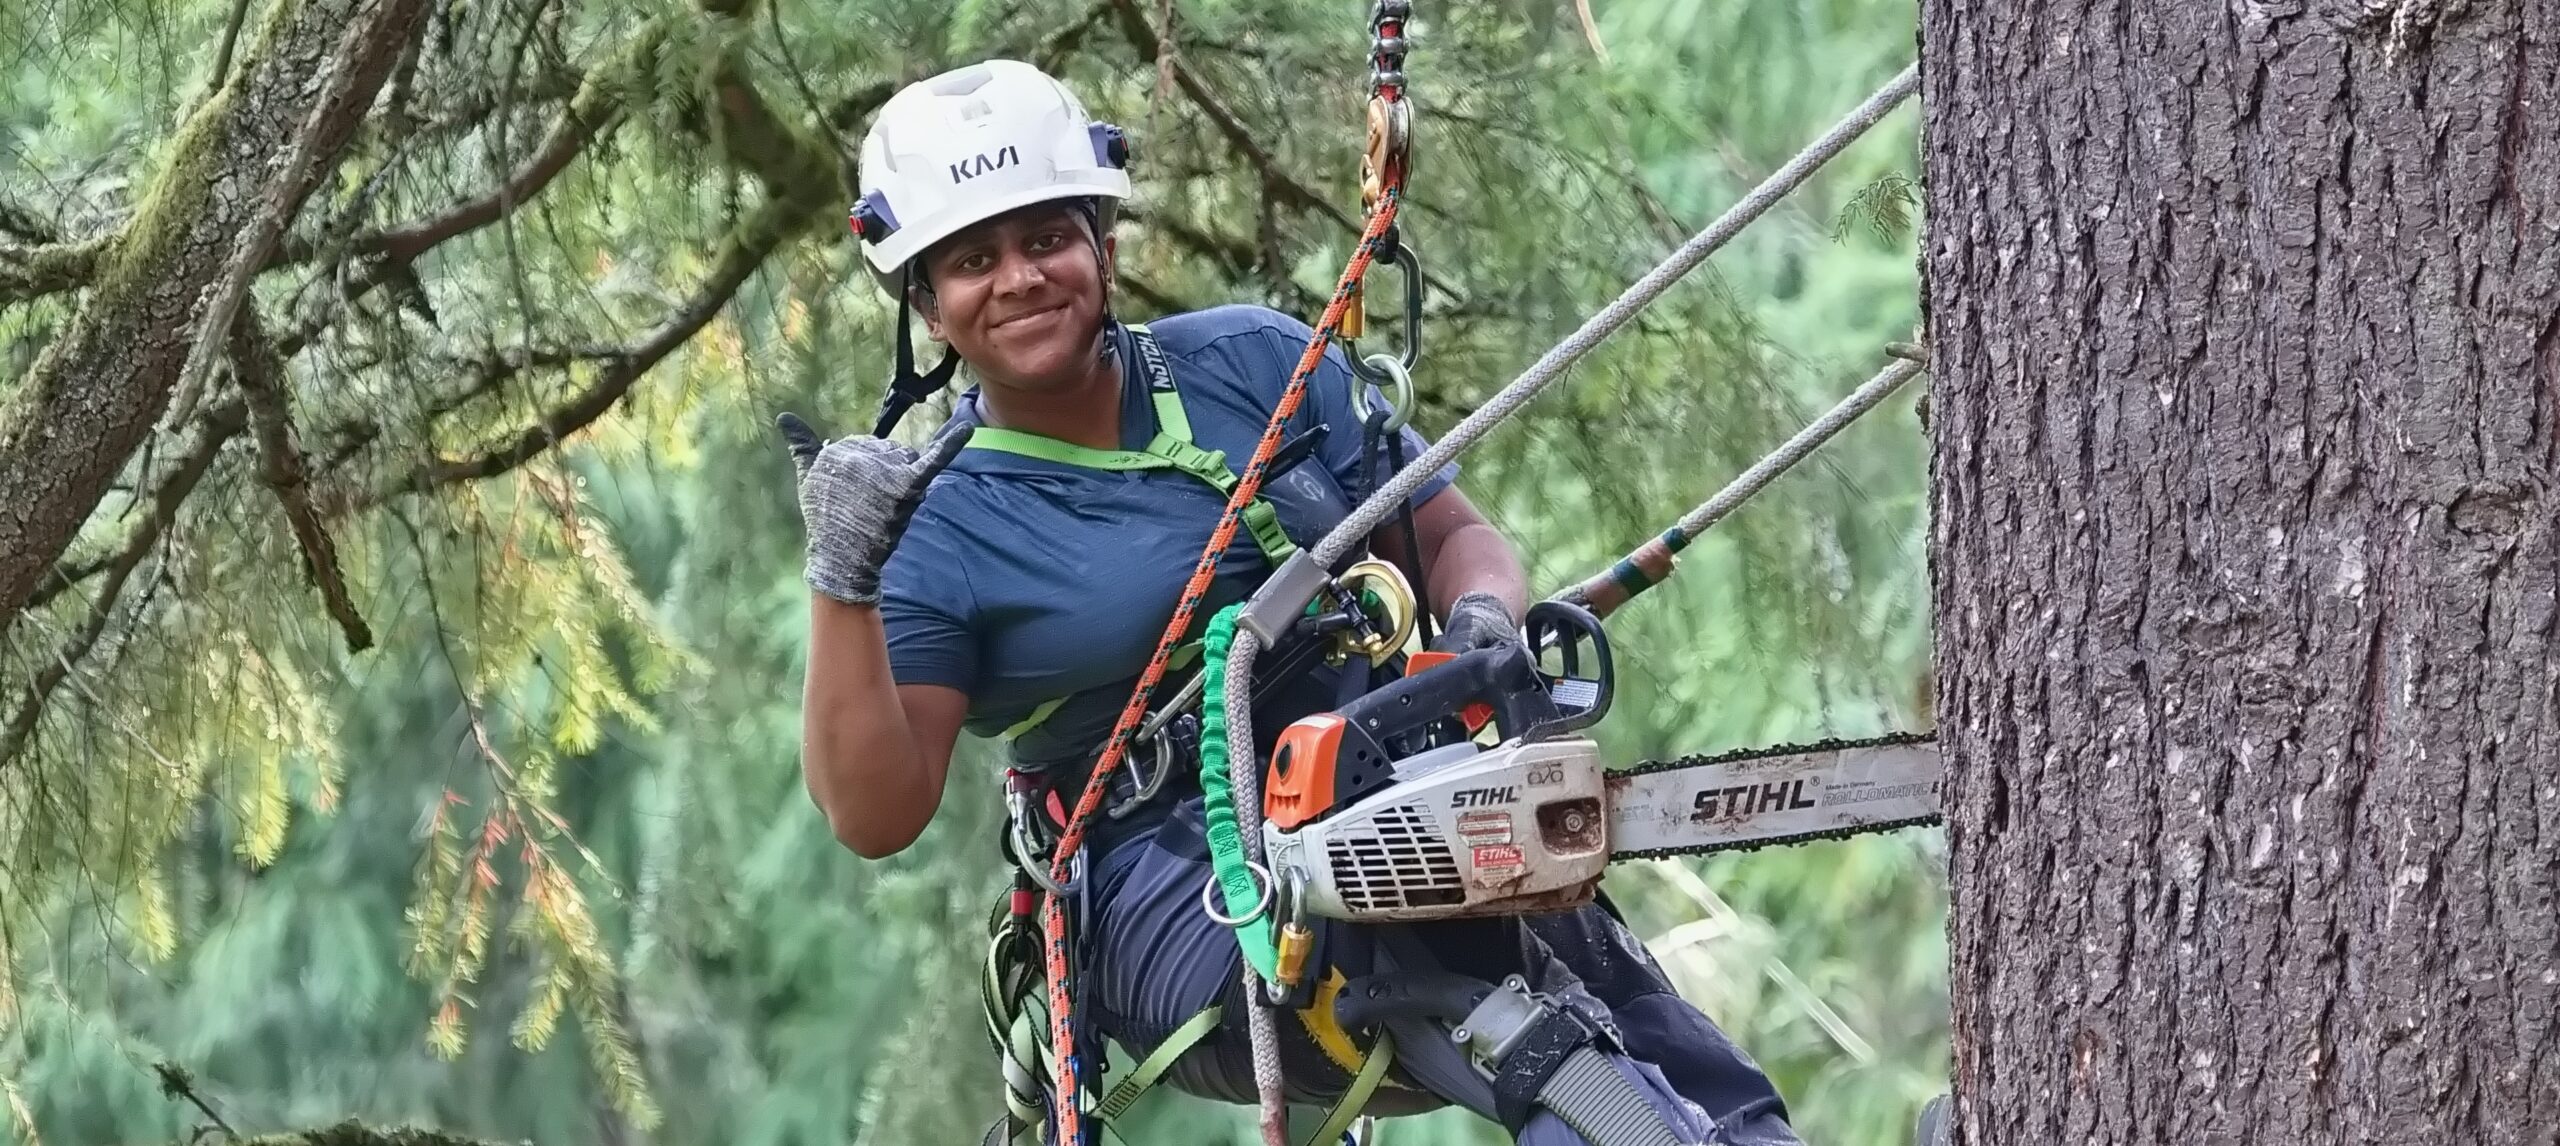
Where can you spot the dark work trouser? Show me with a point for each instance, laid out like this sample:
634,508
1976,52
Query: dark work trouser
1159,960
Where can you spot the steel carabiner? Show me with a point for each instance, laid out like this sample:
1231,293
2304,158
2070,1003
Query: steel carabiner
1409,265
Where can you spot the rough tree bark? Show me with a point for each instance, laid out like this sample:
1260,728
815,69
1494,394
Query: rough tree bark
238,169
2246,325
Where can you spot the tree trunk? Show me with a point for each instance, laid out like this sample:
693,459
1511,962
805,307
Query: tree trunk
2246,366
235,174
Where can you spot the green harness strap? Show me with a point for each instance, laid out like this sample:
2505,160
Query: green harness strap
1151,1070
1171,448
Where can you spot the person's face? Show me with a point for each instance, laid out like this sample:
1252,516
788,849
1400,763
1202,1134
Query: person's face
1020,296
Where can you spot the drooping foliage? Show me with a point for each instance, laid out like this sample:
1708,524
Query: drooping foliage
537,861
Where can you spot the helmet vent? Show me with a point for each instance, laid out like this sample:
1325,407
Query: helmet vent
963,82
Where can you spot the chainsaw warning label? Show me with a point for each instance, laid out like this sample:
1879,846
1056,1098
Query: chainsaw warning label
1495,862
1483,828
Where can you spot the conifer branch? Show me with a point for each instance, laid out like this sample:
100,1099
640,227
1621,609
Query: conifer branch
354,1133
175,1082
216,429
593,114
100,388
259,372
218,425
18,219
350,78
743,253
1275,178
28,272
222,56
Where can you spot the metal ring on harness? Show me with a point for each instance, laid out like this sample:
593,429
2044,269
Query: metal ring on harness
1383,368
1209,905
1394,594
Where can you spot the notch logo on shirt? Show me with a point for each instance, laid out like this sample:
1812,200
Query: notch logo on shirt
978,165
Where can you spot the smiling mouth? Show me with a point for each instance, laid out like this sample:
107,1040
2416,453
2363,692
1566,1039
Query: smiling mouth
1026,317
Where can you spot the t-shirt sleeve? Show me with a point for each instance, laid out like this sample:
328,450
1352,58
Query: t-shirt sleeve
1328,401
925,606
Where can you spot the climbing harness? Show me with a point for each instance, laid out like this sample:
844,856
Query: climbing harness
1072,1072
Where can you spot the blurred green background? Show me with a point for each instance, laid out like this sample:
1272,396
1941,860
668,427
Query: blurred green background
237,848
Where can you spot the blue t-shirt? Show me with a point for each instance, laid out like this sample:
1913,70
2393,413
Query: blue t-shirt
1021,580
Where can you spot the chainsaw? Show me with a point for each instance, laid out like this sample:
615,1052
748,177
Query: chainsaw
1394,807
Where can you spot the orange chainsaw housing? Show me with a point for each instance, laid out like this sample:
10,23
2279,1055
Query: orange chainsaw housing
1308,772
1300,785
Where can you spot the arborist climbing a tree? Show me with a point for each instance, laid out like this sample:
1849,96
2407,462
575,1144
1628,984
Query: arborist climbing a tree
1011,579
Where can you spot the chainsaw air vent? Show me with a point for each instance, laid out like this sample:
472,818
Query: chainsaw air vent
1394,859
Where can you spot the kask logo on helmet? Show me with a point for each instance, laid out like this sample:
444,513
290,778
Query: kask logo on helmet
975,166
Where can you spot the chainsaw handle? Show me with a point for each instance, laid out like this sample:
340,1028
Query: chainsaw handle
1501,676
1564,626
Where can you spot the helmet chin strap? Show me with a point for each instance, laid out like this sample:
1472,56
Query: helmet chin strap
1104,348
906,387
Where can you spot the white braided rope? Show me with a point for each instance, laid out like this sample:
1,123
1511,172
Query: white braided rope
1866,397
1373,512
1244,773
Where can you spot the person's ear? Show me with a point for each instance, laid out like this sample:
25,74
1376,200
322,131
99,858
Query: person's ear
931,309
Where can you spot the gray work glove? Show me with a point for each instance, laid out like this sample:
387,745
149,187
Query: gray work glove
856,495
1477,620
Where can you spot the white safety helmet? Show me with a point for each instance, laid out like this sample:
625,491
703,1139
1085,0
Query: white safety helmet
971,144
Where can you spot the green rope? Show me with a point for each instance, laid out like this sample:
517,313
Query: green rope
1226,842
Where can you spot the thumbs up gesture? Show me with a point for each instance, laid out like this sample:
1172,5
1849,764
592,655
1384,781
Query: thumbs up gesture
856,496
